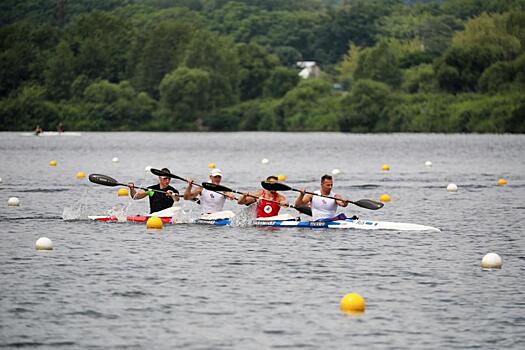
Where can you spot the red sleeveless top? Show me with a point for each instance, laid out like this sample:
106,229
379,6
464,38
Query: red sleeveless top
266,208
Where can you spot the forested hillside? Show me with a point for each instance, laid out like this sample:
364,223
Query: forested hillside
174,65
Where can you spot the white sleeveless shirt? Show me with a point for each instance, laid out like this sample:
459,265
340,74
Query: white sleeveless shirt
323,208
211,202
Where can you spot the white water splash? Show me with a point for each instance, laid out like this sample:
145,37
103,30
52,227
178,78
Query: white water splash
77,212
245,217
120,212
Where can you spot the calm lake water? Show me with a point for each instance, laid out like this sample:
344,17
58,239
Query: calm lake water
193,287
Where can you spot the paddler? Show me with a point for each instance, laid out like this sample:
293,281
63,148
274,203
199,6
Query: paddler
157,200
268,202
211,202
322,208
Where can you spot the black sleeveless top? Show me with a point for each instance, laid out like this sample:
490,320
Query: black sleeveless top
159,201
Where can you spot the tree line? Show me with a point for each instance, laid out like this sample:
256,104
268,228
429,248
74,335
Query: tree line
194,65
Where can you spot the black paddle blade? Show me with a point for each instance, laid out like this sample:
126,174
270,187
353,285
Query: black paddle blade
368,204
303,210
103,180
159,172
275,186
216,188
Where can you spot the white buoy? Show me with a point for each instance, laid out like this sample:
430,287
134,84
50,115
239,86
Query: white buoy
148,168
13,202
0,179
44,243
491,261
265,161
115,160
336,172
452,188
428,164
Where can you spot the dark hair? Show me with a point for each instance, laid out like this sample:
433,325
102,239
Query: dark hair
326,177
272,177
166,170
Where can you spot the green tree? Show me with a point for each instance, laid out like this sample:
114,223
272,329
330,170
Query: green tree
116,106
461,67
217,56
60,72
186,94
157,52
489,30
100,42
23,53
255,67
419,79
280,81
365,109
299,105
380,64
27,108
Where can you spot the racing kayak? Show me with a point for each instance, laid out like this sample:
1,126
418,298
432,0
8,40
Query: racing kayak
165,215
348,223
133,218
52,133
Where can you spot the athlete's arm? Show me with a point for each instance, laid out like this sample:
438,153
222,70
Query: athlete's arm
189,194
133,192
303,199
340,201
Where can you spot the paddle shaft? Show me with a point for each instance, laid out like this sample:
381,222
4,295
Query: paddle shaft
302,210
363,203
163,173
148,189
321,195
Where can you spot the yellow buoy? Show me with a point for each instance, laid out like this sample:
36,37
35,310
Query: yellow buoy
212,166
385,198
81,175
122,192
281,177
53,163
154,223
502,182
385,167
352,302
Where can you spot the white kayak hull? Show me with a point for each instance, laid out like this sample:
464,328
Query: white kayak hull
347,224
52,133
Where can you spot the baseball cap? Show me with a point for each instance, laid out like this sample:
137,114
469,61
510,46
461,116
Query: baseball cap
216,172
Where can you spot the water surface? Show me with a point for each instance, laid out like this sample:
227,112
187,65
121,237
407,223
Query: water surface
194,287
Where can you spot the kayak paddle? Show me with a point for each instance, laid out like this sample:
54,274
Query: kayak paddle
109,181
214,187
363,203
158,172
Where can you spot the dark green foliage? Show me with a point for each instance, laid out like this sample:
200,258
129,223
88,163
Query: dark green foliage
156,52
365,109
23,52
380,64
280,81
461,66
255,67
185,94
416,66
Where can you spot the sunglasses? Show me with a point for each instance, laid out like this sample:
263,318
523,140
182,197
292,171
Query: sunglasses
164,178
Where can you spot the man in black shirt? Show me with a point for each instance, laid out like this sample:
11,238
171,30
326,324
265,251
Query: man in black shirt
157,200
